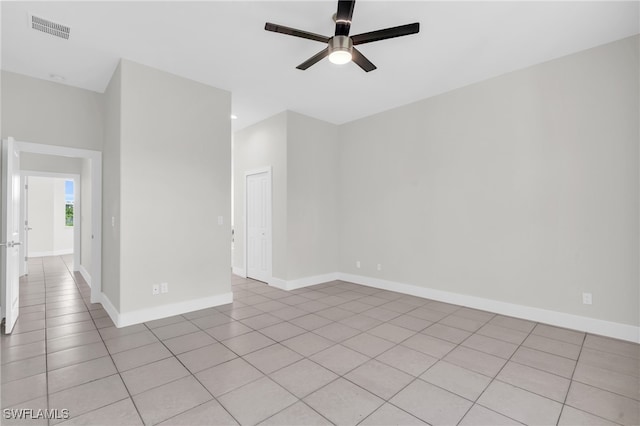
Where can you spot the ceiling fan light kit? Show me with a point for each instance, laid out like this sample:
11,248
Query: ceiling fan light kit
340,48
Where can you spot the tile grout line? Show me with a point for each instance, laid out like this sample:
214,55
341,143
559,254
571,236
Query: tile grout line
110,357
494,378
191,374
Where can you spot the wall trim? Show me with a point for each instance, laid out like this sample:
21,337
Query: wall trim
50,253
302,282
163,311
561,319
85,274
238,271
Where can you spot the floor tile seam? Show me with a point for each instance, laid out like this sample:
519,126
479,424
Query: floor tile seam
70,347
110,355
96,409
190,374
541,350
46,346
504,327
539,369
459,328
395,406
637,398
493,379
72,334
637,360
302,402
25,358
573,372
253,381
591,364
560,340
180,335
46,394
572,380
593,414
30,375
85,382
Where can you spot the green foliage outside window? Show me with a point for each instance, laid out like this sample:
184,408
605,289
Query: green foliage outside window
69,215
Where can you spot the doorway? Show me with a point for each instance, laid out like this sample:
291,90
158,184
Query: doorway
90,186
258,244
51,212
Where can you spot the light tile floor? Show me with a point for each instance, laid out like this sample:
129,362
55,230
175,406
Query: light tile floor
335,353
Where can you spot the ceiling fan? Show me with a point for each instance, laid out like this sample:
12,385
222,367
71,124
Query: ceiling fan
340,48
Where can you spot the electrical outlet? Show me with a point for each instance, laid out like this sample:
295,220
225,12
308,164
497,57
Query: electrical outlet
587,299
379,266
155,289
358,264
164,288
220,220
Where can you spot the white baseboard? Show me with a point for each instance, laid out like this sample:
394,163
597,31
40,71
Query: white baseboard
85,274
561,319
302,282
163,311
238,271
50,253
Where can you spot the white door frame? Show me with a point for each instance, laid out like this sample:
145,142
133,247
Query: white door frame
77,230
266,170
24,268
95,158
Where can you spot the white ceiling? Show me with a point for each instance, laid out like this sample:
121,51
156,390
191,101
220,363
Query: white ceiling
224,44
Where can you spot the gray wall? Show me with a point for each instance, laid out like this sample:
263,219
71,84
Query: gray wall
50,163
175,174
302,152
50,113
261,145
85,215
111,190
522,189
312,194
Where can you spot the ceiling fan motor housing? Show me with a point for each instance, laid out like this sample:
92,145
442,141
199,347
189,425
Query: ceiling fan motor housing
340,43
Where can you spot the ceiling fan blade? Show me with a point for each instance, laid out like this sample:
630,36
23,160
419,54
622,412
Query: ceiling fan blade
400,31
314,59
296,33
362,61
343,17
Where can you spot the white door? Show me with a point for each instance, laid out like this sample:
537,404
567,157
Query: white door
258,221
10,232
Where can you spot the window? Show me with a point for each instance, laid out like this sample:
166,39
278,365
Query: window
68,202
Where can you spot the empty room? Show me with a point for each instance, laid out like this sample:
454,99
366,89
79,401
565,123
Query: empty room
320,213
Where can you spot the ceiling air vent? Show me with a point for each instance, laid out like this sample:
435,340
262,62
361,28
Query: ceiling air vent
49,27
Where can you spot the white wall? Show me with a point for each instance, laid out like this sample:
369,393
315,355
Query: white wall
522,189
175,174
49,235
